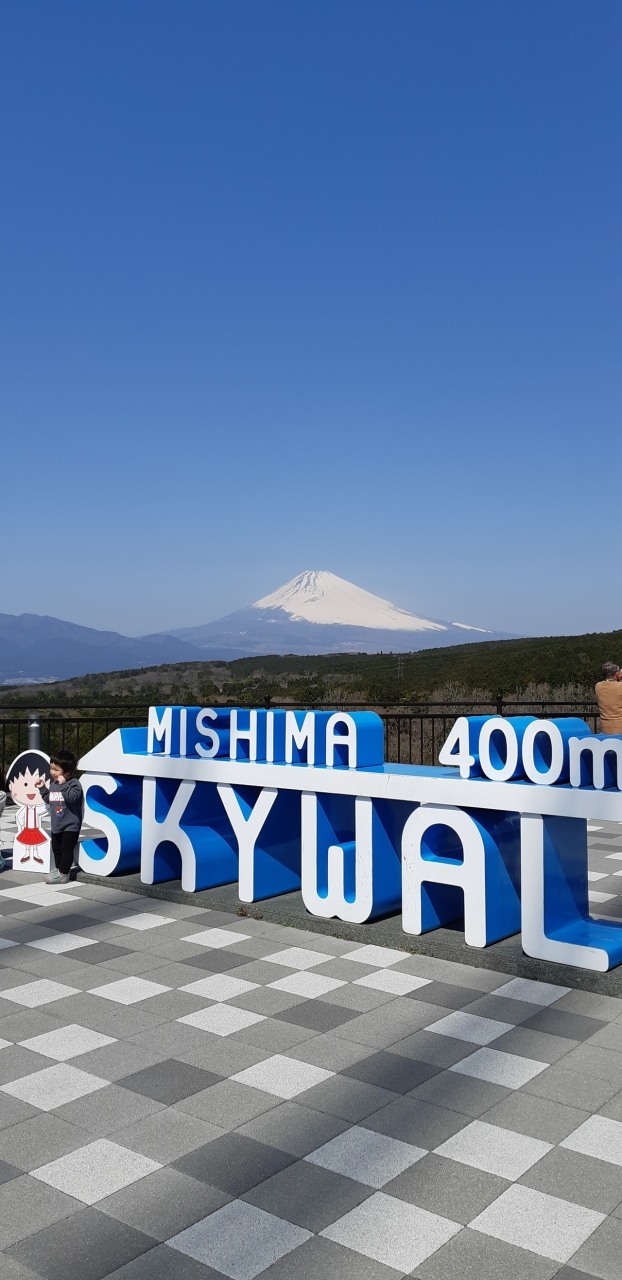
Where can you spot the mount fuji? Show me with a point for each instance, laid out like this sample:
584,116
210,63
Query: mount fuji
317,612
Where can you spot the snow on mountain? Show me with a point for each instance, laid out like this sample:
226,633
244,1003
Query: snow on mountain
324,598
318,612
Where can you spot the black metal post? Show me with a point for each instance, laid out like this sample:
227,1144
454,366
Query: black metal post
500,703
34,732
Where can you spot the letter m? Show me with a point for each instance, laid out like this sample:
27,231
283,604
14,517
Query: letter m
160,727
602,767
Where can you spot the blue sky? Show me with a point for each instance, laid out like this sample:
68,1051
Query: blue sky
311,284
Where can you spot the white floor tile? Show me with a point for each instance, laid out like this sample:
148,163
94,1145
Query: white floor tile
5,1044
508,1069
222,1019
540,1223
593,876
219,986
595,896
32,994
59,943
215,938
366,1156
543,993
307,984
54,1086
95,1171
380,957
39,894
614,857
7,942
467,1026
494,1150
143,920
598,1137
281,1076
129,990
390,1231
299,958
239,1240
67,1042
391,980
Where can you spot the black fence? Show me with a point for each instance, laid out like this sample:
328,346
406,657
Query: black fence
414,734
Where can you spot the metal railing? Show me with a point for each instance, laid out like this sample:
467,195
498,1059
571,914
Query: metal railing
414,733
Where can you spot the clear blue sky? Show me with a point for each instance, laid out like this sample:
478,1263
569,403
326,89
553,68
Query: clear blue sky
311,284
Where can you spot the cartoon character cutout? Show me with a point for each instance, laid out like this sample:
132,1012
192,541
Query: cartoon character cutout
31,846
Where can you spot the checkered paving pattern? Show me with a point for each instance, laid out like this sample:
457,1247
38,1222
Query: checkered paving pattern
191,1095
605,874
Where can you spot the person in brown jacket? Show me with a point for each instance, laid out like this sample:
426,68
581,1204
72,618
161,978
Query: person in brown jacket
609,698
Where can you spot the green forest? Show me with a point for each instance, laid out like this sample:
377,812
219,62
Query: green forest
547,666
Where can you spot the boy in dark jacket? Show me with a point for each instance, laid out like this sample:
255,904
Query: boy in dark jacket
66,803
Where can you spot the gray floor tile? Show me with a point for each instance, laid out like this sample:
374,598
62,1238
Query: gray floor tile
219,961
29,1022
329,1051
228,1104
601,1253
501,1008
293,1128
348,1099
171,1004
535,1117
320,1259
608,1008
360,998
163,1263
225,1056
411,1120
234,1163
317,1015
382,1027
278,1037
446,1187
90,1245
465,1094
439,1051
581,1179
535,1044
171,1038
572,1088
601,1064
113,1061
164,1203
116,1020
13,1270
12,1111
16,1061
307,1195
559,1022
391,1071
112,1108
28,1206
169,1081
472,1256
167,1135
268,1001
100,952
34,1142
609,1037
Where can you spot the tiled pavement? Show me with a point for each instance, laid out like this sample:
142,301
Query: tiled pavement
187,1095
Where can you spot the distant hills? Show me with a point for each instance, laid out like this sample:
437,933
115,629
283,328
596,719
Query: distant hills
315,613
35,648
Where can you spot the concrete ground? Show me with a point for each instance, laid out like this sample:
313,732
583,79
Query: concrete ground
190,1094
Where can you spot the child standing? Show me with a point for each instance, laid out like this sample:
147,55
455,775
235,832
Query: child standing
66,804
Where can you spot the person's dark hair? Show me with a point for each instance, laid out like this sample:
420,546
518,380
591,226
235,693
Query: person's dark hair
609,669
66,760
34,761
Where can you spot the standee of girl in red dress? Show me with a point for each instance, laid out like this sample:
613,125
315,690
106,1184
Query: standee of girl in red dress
31,846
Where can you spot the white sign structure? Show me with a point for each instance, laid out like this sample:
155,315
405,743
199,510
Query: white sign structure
283,800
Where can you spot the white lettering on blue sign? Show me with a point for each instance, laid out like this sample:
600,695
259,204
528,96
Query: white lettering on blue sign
281,800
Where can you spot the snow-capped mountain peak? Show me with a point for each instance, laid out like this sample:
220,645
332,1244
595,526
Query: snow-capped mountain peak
321,597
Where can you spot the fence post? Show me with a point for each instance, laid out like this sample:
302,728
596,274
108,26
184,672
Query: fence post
500,703
34,732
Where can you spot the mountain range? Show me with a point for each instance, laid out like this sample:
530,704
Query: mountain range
316,612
